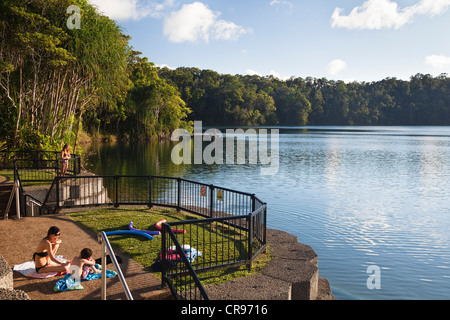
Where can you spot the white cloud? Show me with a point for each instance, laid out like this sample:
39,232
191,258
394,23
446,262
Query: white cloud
289,6
277,75
336,66
378,14
131,9
227,30
196,21
272,73
437,61
251,72
163,65
432,7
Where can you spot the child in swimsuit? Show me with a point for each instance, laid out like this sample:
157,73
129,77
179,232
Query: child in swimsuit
85,263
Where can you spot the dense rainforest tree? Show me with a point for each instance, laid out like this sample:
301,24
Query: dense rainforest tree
155,108
50,74
56,80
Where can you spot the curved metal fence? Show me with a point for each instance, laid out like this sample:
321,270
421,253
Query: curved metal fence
230,229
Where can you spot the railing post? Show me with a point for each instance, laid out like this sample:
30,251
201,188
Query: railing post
253,210
22,210
179,194
106,246
211,200
57,194
150,179
103,269
265,224
116,200
163,259
253,203
250,241
78,165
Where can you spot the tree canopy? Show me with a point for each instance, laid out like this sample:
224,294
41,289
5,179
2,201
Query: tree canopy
57,81
255,100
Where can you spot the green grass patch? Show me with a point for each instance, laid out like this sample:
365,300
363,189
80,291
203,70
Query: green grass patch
8,174
215,241
140,249
47,175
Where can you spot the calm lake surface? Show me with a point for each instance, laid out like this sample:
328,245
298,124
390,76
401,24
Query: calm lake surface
359,196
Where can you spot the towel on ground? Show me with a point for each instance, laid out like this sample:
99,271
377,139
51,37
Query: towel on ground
69,283
190,252
28,269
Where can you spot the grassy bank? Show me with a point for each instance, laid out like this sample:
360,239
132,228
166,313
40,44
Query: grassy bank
7,174
147,252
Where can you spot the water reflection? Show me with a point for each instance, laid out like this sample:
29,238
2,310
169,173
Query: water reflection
333,158
359,196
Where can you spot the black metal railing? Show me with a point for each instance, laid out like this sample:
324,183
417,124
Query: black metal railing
228,241
33,171
34,161
7,157
177,270
232,230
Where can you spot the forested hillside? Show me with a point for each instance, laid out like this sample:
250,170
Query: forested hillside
57,83
253,100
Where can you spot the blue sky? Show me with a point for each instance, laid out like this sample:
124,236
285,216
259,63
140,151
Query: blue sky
350,40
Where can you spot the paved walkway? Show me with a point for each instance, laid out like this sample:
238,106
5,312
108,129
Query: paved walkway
3,180
18,242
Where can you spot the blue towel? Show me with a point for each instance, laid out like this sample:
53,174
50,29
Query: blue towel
68,283
192,253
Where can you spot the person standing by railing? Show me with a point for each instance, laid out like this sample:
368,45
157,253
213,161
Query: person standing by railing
65,156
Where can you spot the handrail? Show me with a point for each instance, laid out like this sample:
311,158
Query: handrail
106,246
33,202
14,192
47,196
167,232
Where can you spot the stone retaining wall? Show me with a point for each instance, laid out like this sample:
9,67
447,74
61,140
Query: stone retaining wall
292,274
7,291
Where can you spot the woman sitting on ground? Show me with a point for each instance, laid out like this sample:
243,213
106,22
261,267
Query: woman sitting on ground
46,252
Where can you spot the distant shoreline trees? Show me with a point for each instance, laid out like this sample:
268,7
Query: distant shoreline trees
255,100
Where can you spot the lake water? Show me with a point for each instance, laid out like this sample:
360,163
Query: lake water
359,196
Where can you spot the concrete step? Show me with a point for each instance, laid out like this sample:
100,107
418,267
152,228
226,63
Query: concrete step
72,192
80,188
6,186
87,199
83,191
